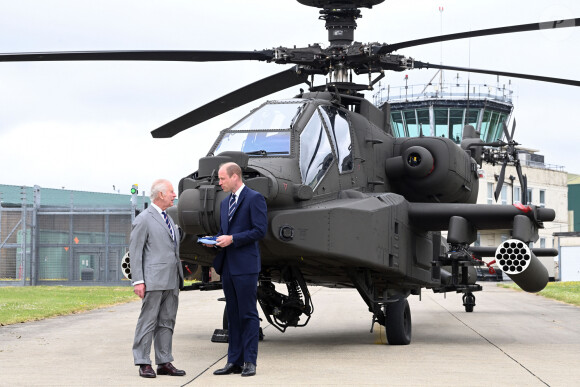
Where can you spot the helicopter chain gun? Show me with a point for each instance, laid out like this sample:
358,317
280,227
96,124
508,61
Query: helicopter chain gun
349,204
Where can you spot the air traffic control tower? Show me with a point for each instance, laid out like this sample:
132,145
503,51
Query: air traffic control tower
443,109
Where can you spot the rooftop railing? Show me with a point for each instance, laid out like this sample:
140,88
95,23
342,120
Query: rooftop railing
411,93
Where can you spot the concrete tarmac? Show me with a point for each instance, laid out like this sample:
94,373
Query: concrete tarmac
511,339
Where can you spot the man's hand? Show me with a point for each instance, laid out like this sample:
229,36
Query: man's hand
224,240
139,290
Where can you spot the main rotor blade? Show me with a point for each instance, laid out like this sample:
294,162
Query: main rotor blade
513,128
500,180
486,32
173,55
571,82
249,93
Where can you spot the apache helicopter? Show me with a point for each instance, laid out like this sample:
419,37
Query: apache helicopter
349,204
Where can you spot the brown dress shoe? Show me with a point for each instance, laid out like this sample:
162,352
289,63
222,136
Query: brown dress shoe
146,371
169,369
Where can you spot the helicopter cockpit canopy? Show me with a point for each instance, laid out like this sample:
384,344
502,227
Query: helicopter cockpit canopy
316,151
265,132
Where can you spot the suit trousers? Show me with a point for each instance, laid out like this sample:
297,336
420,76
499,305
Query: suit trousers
156,322
243,319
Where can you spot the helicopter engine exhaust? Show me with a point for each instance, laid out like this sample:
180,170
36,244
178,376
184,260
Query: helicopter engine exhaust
516,260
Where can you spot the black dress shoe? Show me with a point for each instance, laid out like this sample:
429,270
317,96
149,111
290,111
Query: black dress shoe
169,369
146,371
230,368
249,369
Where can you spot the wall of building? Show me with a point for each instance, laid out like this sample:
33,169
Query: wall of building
552,182
574,206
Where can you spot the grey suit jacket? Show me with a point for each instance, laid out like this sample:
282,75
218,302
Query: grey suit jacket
154,255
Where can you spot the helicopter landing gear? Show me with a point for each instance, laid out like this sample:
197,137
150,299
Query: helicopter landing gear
468,301
398,322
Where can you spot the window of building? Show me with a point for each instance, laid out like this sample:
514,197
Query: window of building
441,122
517,195
504,195
529,196
397,124
543,243
456,123
489,193
411,123
542,198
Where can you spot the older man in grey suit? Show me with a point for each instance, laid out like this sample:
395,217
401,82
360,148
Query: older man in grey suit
157,276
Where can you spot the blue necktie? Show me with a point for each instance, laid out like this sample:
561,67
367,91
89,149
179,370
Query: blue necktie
168,224
232,207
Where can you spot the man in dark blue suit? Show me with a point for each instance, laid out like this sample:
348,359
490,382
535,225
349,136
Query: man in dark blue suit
243,222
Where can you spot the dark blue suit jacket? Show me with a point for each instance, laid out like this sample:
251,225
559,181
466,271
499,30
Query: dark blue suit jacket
248,225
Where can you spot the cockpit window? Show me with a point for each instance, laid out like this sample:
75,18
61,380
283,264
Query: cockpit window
339,135
256,143
271,116
315,152
265,132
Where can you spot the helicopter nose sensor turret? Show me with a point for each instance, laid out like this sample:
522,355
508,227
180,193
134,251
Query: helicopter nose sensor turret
432,169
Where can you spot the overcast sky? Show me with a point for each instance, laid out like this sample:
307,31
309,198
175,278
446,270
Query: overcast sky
86,125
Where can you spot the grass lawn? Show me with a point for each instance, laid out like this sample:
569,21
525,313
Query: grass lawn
28,303
568,292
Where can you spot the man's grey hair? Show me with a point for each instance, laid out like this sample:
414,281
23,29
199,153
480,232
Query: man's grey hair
159,185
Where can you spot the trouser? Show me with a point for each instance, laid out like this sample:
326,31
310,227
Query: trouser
243,320
156,322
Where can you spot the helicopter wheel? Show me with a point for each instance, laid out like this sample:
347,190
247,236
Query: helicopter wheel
398,322
468,302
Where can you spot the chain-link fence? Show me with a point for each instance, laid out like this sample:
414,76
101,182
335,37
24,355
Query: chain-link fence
51,245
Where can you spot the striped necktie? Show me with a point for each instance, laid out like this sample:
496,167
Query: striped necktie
168,224
232,207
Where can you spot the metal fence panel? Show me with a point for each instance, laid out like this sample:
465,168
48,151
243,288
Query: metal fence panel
63,246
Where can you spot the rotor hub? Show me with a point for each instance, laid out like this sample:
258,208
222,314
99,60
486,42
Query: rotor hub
340,17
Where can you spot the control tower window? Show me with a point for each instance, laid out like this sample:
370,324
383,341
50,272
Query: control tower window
338,127
315,152
491,125
397,124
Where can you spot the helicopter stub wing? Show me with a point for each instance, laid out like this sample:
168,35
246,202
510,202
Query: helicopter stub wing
435,216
